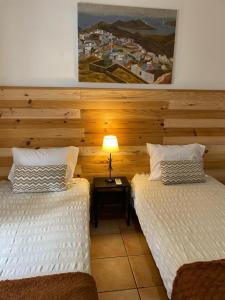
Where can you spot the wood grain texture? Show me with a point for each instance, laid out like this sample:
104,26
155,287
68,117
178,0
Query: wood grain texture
196,123
44,113
57,117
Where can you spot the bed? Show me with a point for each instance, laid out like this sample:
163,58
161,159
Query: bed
44,234
184,226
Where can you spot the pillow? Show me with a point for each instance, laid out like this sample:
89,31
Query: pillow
161,152
182,171
39,179
44,157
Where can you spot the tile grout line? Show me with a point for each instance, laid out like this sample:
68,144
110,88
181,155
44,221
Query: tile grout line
130,264
111,291
108,257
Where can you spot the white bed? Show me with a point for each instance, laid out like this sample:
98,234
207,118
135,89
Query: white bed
182,223
46,233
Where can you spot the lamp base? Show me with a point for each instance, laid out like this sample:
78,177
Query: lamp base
110,180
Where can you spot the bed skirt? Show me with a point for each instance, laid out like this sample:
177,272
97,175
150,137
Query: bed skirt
66,286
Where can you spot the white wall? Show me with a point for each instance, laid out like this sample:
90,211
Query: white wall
38,41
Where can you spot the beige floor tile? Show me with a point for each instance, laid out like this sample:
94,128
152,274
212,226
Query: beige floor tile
112,274
107,245
153,293
135,243
120,295
145,271
106,227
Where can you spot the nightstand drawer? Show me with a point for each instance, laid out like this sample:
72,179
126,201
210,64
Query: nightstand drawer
110,190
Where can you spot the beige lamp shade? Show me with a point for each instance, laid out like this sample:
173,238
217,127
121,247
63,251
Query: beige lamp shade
110,143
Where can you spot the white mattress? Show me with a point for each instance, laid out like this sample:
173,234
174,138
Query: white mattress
46,233
182,223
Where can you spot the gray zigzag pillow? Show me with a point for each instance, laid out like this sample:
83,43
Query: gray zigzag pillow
182,171
30,179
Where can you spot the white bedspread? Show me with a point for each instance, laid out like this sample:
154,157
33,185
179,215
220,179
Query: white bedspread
46,233
182,223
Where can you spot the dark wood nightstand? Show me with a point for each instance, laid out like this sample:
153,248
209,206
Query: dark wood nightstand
100,186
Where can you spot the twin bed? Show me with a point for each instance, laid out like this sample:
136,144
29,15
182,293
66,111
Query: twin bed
45,234
184,226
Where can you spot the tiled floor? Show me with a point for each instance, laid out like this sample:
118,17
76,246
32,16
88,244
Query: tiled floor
122,264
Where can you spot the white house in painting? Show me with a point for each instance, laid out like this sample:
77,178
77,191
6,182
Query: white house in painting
147,76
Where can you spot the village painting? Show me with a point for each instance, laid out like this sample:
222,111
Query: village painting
119,44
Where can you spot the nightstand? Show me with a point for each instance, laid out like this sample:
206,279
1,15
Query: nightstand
102,187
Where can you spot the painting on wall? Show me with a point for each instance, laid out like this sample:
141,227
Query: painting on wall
119,44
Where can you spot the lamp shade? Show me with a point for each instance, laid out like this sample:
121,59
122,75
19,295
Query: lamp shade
110,143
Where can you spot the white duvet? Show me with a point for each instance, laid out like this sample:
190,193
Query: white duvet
46,233
182,223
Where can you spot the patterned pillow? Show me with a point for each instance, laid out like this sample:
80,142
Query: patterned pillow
182,171
30,179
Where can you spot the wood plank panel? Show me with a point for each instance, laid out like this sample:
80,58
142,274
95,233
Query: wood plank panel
182,140
216,150
205,101
121,113
14,93
92,125
41,123
5,152
40,142
195,114
6,161
57,117
42,133
33,113
4,171
84,104
196,123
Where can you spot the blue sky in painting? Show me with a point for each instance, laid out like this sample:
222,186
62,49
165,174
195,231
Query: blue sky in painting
90,14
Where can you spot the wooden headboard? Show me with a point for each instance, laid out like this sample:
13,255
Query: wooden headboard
51,117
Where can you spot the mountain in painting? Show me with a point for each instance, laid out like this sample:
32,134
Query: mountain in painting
133,24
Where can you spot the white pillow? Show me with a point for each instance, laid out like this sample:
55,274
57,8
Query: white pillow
44,157
160,152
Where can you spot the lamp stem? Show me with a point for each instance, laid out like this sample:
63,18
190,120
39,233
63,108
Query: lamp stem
110,179
110,166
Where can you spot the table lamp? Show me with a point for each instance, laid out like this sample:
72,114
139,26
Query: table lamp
110,144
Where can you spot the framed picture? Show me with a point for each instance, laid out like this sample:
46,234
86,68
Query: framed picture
120,44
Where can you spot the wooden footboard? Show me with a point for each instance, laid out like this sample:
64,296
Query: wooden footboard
67,286
200,281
